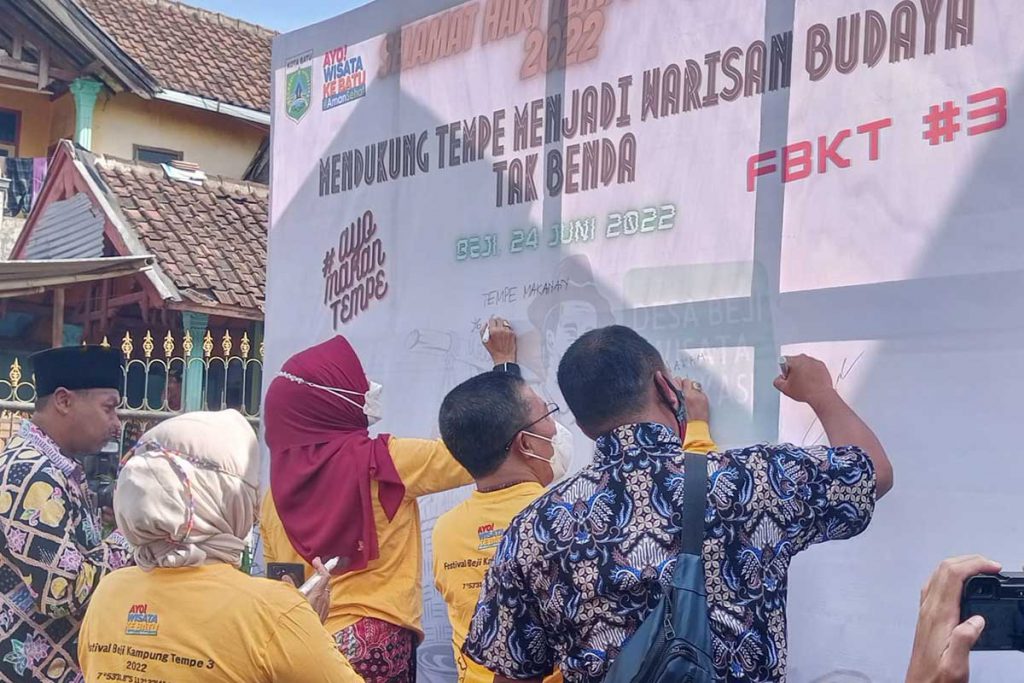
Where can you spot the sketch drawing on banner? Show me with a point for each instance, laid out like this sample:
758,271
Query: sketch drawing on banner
561,318
462,356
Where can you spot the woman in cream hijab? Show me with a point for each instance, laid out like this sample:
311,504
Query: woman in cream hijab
186,500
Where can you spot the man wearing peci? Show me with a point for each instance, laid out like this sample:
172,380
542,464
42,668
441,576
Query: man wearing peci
52,555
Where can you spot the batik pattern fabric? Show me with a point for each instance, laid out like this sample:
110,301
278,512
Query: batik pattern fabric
52,557
579,569
379,652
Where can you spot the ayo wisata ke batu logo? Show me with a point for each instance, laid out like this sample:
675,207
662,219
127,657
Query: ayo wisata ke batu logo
298,85
344,77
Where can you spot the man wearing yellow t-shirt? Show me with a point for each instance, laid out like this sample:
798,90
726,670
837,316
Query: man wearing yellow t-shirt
501,431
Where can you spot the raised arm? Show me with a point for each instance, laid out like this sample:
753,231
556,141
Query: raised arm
808,381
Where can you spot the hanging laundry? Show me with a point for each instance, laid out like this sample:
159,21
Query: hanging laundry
19,195
40,165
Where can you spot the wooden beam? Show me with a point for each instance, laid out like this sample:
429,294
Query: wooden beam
44,67
7,84
99,316
224,311
57,338
110,306
126,299
17,70
105,304
67,187
28,31
11,74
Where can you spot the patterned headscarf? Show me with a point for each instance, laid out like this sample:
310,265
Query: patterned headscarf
187,495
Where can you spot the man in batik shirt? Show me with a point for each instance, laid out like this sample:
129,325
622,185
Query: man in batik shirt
51,554
579,569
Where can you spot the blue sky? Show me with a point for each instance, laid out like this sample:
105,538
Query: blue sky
279,15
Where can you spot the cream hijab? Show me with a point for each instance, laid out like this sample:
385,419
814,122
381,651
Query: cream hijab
187,495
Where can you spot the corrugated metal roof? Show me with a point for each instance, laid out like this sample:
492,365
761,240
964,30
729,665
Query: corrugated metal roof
18,278
68,229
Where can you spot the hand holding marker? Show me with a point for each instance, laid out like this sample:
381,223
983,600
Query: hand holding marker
314,581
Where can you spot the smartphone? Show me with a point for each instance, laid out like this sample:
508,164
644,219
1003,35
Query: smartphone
279,570
999,598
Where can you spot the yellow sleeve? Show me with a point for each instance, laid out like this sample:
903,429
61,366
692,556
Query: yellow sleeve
698,437
426,466
301,651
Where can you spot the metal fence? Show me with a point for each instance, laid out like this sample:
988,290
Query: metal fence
159,386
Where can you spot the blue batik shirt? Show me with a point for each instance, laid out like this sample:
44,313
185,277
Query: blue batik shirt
579,569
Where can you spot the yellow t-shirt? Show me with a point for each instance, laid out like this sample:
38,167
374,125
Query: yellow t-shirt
466,538
209,624
389,588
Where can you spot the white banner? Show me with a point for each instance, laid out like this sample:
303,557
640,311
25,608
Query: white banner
734,180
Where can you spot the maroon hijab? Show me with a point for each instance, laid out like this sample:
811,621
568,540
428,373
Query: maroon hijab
322,458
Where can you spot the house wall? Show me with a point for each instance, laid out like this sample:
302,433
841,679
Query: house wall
62,118
34,133
221,145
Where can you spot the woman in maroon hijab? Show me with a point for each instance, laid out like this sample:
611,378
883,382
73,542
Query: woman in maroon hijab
337,491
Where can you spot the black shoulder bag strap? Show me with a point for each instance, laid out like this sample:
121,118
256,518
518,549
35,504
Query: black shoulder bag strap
695,501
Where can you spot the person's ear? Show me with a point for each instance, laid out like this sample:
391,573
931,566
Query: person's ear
62,400
666,390
520,442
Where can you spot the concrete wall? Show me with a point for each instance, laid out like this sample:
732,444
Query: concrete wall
219,144
62,118
36,110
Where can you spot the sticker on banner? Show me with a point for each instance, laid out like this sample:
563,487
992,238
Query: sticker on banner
344,78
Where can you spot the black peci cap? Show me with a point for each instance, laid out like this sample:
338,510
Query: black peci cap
77,367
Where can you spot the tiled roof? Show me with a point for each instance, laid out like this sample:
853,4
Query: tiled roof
191,50
209,239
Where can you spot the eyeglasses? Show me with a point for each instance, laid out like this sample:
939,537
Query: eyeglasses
552,408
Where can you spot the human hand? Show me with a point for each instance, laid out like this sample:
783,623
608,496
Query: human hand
500,340
942,644
807,381
320,597
697,405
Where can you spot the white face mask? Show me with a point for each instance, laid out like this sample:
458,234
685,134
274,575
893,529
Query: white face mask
561,459
371,405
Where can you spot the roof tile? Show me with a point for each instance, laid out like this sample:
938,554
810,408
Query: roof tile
212,247
191,50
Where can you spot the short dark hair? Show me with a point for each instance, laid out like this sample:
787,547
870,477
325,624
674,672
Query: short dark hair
480,416
605,376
